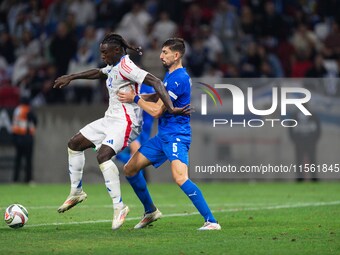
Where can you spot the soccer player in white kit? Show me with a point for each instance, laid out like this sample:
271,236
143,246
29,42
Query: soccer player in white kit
117,129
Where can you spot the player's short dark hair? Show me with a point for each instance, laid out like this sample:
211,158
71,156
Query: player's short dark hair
175,44
117,39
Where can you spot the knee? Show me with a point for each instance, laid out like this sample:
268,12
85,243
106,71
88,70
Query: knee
72,145
129,170
103,157
180,179
105,153
75,143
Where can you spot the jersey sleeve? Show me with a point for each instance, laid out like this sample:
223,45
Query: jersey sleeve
174,89
129,71
105,70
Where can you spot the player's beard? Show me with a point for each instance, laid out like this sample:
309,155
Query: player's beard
167,65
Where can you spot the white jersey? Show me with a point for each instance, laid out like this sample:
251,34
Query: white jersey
121,77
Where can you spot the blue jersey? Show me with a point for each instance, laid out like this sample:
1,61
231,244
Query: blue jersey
170,126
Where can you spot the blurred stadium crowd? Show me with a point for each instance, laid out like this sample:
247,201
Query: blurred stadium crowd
43,39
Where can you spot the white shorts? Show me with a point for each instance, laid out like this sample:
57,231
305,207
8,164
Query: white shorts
113,132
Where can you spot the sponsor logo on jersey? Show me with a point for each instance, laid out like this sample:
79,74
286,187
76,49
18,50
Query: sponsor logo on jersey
110,141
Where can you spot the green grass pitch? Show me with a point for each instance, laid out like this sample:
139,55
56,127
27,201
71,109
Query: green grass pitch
256,218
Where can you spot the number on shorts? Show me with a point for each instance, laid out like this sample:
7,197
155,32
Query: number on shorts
174,147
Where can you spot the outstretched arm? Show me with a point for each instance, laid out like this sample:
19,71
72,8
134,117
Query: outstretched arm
64,80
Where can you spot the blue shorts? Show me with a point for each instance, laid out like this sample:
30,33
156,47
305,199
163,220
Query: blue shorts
146,128
158,151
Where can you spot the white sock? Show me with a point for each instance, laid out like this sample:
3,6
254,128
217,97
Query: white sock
76,162
111,177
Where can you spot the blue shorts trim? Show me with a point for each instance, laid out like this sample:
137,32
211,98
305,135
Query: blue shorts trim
158,151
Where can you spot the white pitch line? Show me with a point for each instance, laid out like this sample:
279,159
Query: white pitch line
287,206
139,205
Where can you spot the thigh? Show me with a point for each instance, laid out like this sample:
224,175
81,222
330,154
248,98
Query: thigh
119,133
105,153
177,150
19,144
137,162
80,143
153,151
93,132
28,145
115,133
134,146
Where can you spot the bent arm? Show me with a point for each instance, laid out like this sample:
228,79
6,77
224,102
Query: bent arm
91,74
158,85
150,97
154,109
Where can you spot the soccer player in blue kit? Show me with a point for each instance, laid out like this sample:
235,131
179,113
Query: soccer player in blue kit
172,141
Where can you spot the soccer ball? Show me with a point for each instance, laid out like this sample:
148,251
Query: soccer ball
16,216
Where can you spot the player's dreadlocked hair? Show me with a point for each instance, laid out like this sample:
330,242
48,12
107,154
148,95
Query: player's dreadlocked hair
175,44
112,38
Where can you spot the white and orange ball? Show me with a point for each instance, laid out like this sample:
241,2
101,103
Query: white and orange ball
16,216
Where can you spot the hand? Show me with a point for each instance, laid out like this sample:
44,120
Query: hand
126,97
62,81
186,110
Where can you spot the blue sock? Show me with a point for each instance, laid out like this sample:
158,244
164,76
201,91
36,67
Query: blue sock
195,195
138,184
